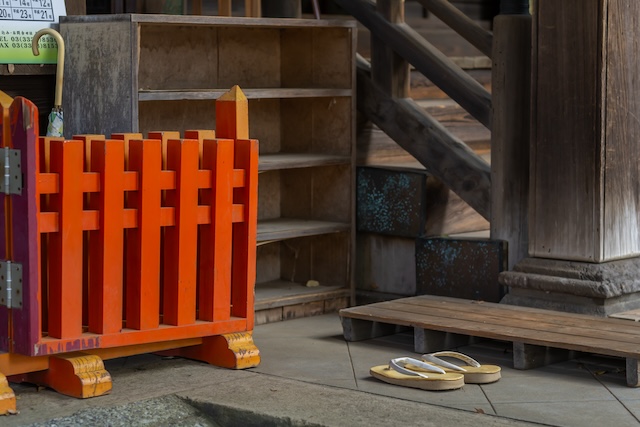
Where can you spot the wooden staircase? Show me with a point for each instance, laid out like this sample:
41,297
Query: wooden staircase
439,244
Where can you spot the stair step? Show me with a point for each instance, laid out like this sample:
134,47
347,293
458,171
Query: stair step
463,268
392,266
409,202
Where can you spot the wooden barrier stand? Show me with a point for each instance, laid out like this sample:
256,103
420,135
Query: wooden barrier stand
123,246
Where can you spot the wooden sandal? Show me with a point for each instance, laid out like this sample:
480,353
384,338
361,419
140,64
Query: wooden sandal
430,378
474,372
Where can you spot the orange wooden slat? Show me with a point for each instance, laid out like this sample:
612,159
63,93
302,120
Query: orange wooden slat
167,217
215,237
244,233
107,243
127,138
180,240
90,220
238,178
48,222
45,151
143,242
86,147
238,213
204,179
134,337
91,182
168,180
130,181
204,215
200,135
90,185
232,115
164,137
130,218
49,183
65,245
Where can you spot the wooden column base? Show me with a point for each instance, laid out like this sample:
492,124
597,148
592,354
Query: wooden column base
7,397
235,351
78,375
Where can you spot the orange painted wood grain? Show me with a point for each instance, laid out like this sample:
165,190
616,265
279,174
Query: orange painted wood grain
65,246
244,233
106,263
216,237
143,242
232,115
86,147
180,240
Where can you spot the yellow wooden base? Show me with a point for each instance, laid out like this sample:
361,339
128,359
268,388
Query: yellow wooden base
235,351
78,375
7,397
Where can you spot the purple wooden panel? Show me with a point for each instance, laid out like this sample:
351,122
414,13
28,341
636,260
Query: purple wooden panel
26,240
4,312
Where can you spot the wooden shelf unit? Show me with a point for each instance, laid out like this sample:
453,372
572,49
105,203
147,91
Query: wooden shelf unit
141,73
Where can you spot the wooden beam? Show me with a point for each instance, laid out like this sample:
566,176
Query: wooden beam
511,77
76,7
445,156
425,58
389,70
461,24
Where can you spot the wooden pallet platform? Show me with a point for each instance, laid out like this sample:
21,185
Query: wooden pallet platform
539,337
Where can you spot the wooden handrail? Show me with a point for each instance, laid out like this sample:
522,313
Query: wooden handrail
461,24
445,156
436,66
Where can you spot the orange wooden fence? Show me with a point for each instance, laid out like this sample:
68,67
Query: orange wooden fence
128,245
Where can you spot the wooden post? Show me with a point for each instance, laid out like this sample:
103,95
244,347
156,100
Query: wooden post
216,237
389,70
232,121
511,78
106,244
143,241
584,217
65,251
180,240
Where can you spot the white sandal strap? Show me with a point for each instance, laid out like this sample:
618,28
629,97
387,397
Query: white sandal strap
398,364
433,358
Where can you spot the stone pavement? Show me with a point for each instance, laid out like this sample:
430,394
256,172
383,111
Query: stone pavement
309,376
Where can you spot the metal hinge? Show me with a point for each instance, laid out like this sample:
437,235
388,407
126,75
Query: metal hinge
11,181
10,284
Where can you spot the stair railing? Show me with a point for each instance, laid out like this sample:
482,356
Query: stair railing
383,93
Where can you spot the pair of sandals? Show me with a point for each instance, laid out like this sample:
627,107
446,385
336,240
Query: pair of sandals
433,373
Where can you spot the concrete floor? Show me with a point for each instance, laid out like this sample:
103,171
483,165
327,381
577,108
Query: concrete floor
309,375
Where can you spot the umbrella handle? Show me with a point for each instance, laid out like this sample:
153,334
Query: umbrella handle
60,67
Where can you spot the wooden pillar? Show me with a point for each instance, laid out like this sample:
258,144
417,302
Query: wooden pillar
389,71
511,77
584,220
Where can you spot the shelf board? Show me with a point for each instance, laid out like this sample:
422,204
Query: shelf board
280,293
262,93
287,228
269,162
